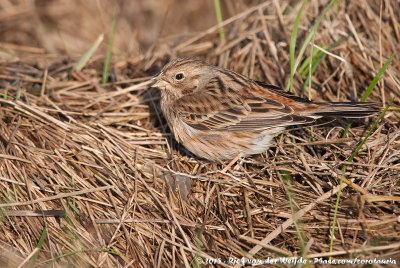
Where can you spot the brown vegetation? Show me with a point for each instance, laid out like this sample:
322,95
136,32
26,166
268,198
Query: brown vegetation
96,166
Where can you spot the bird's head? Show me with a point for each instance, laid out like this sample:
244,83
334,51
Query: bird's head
183,76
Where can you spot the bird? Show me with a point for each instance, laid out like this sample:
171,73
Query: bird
219,114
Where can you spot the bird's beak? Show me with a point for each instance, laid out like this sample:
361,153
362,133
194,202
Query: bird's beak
160,81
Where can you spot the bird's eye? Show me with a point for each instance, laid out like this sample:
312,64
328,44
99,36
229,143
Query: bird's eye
179,76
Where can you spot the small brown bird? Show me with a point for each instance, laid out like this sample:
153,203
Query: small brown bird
218,114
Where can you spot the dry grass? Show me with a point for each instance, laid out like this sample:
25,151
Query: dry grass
98,166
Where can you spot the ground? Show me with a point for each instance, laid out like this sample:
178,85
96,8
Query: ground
90,174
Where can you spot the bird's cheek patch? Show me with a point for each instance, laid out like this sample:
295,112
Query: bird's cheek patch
188,90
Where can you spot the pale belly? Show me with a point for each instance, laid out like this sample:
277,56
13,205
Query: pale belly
227,145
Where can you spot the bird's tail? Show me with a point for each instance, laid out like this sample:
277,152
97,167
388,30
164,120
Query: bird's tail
347,109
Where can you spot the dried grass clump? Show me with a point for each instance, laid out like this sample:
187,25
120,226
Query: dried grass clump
97,168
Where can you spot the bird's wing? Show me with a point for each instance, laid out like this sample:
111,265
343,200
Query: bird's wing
212,110
281,92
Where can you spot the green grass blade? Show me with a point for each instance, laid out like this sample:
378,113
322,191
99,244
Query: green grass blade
82,62
377,77
310,70
345,167
74,252
298,224
322,54
310,35
319,56
305,66
109,50
199,248
39,245
217,5
371,86
292,48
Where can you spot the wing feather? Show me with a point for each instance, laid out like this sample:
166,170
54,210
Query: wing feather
210,110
